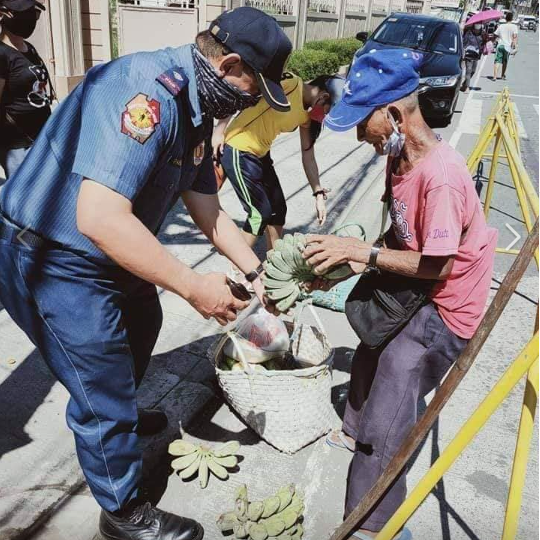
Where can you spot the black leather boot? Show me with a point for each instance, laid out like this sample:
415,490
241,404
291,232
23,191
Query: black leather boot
145,522
151,422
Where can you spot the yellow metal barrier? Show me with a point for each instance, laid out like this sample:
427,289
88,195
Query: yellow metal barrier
500,132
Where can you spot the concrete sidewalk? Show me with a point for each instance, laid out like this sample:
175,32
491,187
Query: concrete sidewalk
41,486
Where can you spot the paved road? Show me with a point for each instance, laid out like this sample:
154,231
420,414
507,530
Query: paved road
38,470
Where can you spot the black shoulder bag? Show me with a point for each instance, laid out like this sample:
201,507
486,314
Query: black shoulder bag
382,303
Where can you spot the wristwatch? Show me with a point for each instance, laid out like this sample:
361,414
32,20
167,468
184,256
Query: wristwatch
373,254
254,274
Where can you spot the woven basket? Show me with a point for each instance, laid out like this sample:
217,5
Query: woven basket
288,409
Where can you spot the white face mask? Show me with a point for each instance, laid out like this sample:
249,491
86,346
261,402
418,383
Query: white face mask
396,141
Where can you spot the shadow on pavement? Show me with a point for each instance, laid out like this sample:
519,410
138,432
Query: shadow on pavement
20,395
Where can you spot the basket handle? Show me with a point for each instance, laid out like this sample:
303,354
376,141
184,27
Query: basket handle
296,325
245,364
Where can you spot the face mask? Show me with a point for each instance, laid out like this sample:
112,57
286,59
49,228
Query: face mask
317,114
22,24
396,141
218,98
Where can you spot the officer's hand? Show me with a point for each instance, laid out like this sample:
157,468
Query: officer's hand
213,298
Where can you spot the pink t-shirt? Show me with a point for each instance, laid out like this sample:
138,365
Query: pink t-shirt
431,206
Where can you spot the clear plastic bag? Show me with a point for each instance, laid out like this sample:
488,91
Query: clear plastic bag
262,336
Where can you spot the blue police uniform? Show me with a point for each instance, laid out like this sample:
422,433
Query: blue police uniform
135,126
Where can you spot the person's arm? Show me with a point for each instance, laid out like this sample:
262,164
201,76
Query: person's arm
312,171
324,252
218,137
439,236
107,219
221,230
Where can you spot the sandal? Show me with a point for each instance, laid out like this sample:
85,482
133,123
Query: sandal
342,443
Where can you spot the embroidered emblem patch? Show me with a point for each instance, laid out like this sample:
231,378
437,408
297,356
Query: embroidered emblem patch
173,80
140,118
198,154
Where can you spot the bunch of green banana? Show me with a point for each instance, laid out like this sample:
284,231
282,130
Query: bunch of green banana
200,459
276,518
287,272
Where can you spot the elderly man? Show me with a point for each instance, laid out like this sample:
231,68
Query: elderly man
79,259
439,235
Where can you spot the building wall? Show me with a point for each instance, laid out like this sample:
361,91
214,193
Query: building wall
213,9
95,41
353,24
321,26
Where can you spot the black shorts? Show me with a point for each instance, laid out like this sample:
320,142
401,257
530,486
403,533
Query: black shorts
257,186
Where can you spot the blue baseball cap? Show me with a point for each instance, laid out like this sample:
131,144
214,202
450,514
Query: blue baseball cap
376,78
263,46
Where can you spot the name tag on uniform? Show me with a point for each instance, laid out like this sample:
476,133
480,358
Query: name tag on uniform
198,154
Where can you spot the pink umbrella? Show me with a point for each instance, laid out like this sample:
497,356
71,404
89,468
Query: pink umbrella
485,16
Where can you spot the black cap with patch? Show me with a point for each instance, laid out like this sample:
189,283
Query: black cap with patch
20,5
263,46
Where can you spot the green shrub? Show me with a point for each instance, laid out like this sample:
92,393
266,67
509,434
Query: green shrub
344,48
310,63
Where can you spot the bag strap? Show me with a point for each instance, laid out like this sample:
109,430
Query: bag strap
386,202
12,123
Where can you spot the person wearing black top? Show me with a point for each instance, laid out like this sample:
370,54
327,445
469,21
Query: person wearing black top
24,101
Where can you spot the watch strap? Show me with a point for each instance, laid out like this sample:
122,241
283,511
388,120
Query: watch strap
254,274
374,253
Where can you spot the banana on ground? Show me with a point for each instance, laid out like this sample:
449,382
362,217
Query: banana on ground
202,460
278,517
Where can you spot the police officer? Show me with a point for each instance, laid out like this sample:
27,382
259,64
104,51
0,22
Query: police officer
79,260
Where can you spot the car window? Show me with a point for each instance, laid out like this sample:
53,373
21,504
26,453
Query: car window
441,38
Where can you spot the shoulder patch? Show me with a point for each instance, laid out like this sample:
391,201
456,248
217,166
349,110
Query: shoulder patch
173,79
140,118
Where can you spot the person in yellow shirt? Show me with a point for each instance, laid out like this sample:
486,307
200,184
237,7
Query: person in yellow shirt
243,148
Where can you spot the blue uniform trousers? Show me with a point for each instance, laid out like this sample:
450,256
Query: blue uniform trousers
95,326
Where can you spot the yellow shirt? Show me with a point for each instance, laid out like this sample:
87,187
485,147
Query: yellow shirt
255,129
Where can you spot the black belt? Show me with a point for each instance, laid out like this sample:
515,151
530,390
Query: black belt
23,237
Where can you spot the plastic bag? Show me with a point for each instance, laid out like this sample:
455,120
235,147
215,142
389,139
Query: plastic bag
262,336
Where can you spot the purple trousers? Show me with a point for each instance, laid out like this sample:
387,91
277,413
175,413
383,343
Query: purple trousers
382,407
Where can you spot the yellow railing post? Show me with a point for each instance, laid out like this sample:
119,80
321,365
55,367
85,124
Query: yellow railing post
474,424
492,172
521,456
